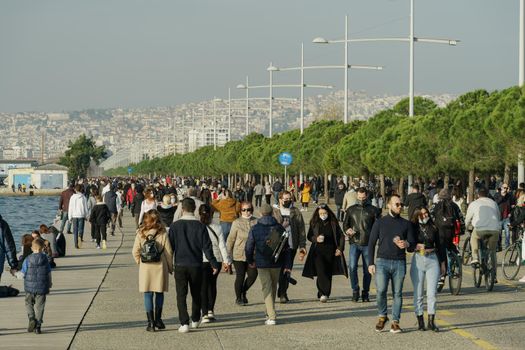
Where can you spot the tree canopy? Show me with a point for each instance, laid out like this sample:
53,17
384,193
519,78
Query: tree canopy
79,154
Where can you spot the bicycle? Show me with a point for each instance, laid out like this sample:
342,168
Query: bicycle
454,272
466,252
512,257
486,268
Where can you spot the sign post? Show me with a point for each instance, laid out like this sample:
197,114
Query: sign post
285,159
130,170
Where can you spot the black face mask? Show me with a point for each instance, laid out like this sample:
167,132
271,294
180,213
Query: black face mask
287,204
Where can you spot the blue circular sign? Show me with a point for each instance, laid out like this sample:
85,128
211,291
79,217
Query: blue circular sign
285,158
130,170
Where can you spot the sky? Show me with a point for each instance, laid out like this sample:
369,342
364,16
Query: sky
64,55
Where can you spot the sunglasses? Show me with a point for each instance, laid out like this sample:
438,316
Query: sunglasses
322,206
396,204
247,209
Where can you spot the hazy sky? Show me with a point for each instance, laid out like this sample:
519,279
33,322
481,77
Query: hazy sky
67,55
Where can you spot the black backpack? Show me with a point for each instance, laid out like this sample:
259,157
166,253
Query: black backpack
444,215
274,243
149,253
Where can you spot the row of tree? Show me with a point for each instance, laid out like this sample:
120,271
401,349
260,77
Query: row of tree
478,133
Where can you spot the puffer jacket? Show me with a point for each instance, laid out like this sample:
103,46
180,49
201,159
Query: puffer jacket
238,237
37,274
361,218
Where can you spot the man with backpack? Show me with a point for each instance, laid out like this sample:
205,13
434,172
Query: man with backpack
264,241
449,221
190,239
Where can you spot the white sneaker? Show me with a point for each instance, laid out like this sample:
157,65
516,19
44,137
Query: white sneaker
195,325
211,316
270,322
522,279
474,262
205,319
184,328
98,247
323,299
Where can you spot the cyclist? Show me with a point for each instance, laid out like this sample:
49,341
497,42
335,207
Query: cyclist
517,218
484,216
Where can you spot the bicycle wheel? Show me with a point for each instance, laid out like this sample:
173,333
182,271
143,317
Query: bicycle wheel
477,274
466,252
511,261
456,274
490,273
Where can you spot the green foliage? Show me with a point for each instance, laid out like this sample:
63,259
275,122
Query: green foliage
79,155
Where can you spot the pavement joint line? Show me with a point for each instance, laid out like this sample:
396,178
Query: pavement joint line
219,339
467,335
98,289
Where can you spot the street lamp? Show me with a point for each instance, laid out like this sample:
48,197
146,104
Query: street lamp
215,100
521,77
411,40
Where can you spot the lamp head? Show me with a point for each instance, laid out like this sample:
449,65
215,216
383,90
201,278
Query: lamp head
320,40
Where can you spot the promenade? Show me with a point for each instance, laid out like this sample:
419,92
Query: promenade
96,291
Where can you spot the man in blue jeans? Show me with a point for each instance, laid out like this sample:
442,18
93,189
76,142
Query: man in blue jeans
358,223
78,213
394,235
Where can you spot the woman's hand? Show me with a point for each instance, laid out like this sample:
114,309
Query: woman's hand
338,252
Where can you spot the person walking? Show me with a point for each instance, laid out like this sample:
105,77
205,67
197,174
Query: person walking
339,196
91,202
63,206
292,220
147,204
228,209
325,258
111,200
190,240
414,200
267,192
153,273
427,263
261,256
99,219
505,201
258,191
394,234
7,248
305,195
358,223
209,279
77,214
166,210
136,205
245,276
277,188
191,193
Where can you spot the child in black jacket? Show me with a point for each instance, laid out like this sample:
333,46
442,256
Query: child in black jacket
100,216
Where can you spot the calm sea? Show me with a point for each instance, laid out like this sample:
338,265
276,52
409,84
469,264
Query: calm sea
25,214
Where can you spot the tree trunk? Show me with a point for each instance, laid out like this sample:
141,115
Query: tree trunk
446,180
382,187
401,188
506,174
326,192
470,194
487,181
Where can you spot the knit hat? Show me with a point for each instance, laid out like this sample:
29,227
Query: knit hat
266,210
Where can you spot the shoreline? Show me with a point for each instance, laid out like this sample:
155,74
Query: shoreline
7,192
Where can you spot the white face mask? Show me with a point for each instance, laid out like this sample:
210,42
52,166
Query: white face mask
172,200
324,217
424,220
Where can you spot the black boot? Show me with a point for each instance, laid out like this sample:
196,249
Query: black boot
364,297
431,324
151,322
158,319
355,296
421,323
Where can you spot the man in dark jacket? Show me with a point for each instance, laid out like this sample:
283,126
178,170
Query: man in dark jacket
292,220
63,207
415,200
136,204
359,220
505,201
339,195
110,198
260,255
189,239
7,247
277,188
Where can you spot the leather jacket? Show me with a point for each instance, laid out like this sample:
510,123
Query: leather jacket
361,218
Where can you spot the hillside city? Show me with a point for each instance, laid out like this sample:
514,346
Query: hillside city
131,135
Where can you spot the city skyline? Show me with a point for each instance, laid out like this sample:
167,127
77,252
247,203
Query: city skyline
143,54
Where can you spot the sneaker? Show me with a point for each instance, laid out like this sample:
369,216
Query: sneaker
104,245
381,323
283,299
195,325
270,322
441,281
474,262
211,316
37,330
31,326
98,247
184,328
395,327
239,302
323,299
205,319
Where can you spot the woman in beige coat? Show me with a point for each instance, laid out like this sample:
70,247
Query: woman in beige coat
236,243
153,276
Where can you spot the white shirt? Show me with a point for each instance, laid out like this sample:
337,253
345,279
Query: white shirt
484,215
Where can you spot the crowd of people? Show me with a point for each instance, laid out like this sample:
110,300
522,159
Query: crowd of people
177,233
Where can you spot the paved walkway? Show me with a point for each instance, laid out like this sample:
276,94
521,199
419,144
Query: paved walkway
116,318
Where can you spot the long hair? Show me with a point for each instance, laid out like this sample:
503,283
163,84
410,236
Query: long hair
417,213
205,214
151,221
205,196
315,220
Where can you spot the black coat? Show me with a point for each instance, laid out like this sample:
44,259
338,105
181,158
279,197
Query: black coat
100,214
339,267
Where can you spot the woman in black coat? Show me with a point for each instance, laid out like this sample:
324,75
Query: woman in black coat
325,258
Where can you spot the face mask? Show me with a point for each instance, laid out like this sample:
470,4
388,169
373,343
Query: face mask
287,204
324,217
172,200
423,221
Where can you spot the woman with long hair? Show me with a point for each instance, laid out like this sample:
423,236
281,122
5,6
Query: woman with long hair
209,280
325,258
153,276
428,262
149,203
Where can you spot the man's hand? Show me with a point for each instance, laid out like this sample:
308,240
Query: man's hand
350,232
287,271
251,266
401,244
215,271
443,269
225,267
372,269
13,270
302,253
337,252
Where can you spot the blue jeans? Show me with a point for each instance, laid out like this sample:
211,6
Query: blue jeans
505,223
148,300
226,227
78,229
276,198
339,212
63,223
390,270
425,268
355,252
